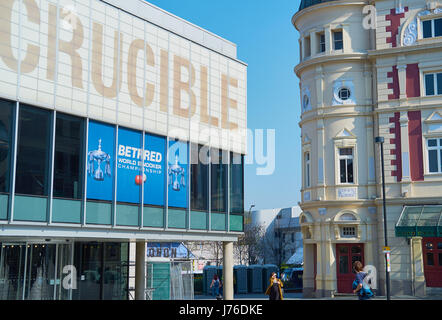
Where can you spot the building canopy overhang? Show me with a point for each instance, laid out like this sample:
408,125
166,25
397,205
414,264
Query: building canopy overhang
420,221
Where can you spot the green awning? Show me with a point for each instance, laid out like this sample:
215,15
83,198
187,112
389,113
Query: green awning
421,221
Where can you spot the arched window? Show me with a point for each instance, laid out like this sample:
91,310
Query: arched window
347,217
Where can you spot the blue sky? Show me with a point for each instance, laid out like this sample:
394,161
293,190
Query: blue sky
268,43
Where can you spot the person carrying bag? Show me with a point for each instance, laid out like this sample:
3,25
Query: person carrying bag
361,288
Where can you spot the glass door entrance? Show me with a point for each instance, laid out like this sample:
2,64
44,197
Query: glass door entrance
34,271
102,270
64,271
12,266
40,272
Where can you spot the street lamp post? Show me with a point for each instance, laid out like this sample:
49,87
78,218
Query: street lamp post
250,212
380,140
249,218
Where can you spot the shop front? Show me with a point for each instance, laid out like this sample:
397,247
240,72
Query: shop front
424,224
63,270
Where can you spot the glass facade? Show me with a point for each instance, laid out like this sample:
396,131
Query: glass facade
199,178
64,271
32,164
33,151
6,114
68,169
69,155
71,170
199,186
219,163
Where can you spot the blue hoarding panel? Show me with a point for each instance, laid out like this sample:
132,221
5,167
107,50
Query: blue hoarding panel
177,172
154,168
129,174
100,161
168,250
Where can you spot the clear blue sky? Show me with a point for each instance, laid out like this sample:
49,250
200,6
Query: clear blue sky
268,43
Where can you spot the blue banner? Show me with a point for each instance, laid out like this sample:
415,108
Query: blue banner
177,172
100,161
154,168
168,250
129,173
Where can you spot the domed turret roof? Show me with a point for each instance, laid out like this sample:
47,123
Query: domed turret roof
307,3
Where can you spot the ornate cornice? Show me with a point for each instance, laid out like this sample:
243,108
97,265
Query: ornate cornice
356,56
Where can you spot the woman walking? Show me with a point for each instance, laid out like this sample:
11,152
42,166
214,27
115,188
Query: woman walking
361,288
274,290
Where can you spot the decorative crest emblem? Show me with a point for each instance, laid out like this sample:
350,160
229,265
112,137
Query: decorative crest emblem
99,156
176,176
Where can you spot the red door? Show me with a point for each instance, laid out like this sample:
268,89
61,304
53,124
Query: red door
432,250
347,254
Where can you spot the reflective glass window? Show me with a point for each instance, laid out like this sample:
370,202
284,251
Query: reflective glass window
33,150
343,264
438,27
346,165
68,161
236,183
439,83
430,259
219,163
338,40
6,108
356,250
199,176
322,43
426,29
429,84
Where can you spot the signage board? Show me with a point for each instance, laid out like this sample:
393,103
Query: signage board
100,161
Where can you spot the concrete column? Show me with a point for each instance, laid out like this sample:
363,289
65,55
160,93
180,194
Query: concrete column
308,276
330,278
228,270
319,81
303,56
328,39
346,39
402,75
405,187
313,43
140,271
320,191
418,277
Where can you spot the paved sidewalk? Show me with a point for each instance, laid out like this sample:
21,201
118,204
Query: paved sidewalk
298,296
253,296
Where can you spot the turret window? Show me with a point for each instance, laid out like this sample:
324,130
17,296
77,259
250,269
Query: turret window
344,94
338,42
307,169
346,165
321,42
432,28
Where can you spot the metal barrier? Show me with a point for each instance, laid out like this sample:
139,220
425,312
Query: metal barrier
165,280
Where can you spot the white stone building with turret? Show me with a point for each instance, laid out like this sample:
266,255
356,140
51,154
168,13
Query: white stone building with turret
368,69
